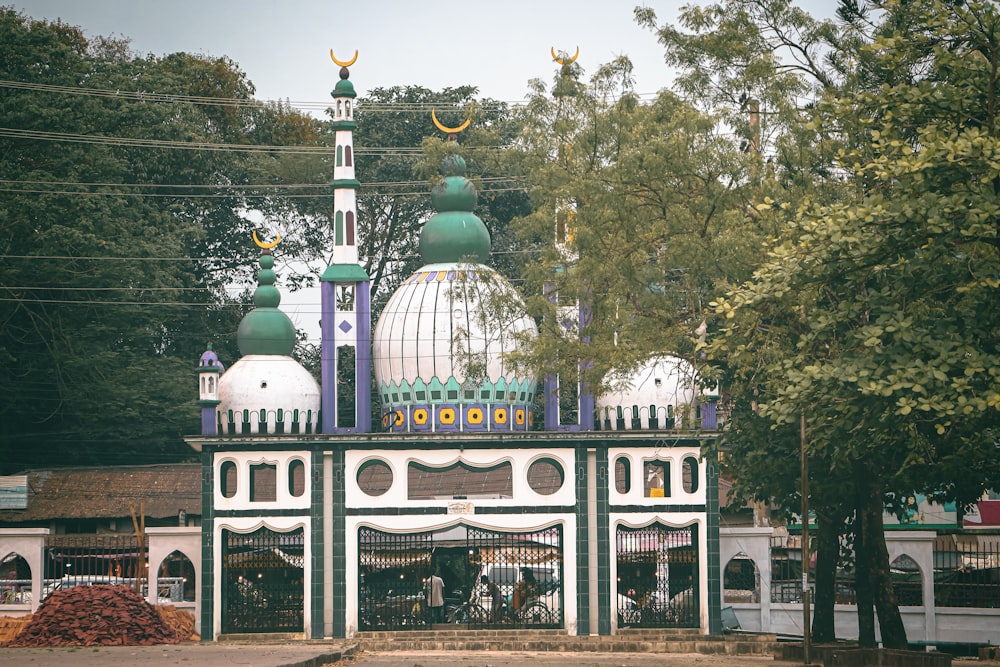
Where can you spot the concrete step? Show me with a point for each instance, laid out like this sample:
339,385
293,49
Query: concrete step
639,641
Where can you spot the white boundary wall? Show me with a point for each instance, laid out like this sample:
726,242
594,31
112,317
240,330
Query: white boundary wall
926,623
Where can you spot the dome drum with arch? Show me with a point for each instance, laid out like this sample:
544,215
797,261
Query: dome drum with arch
661,394
441,341
266,390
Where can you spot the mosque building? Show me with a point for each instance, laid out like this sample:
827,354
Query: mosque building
317,521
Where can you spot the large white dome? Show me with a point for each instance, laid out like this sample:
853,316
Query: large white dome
439,349
661,394
272,393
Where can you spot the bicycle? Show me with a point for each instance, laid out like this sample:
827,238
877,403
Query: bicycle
468,613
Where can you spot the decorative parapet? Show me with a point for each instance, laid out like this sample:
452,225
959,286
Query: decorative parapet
263,421
703,416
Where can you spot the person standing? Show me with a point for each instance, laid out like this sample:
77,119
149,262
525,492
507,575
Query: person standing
488,589
436,600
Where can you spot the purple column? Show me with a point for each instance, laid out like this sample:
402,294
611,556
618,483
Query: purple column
363,359
709,416
586,416
208,422
551,389
328,357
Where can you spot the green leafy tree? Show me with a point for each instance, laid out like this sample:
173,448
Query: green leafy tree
648,205
895,358
119,240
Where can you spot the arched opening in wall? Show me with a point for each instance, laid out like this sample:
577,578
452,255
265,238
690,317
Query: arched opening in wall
15,579
346,374
545,476
623,474
658,576
374,477
656,475
526,567
263,483
907,582
689,474
176,579
263,581
459,481
741,580
296,478
227,479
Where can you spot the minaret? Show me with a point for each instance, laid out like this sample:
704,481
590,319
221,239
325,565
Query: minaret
346,287
564,233
209,370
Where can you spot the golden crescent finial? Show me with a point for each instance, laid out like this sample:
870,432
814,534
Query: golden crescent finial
265,246
450,130
563,61
344,63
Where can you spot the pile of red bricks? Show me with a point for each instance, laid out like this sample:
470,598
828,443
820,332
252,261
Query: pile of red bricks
98,615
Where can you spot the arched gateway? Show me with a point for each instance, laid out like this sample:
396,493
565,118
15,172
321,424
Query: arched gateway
263,581
526,567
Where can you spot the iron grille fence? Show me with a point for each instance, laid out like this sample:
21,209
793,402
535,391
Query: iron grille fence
525,567
263,581
966,573
657,577
88,560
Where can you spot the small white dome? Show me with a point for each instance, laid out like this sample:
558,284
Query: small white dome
664,389
275,384
439,349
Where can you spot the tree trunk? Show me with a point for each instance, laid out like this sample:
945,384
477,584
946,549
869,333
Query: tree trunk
862,590
889,619
827,555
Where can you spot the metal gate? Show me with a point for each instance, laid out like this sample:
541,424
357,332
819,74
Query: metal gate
658,577
526,568
263,581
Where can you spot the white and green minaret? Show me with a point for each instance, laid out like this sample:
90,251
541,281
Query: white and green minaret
346,287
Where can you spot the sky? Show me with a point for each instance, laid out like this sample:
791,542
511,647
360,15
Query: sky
284,47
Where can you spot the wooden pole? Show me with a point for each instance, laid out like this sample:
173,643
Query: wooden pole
139,524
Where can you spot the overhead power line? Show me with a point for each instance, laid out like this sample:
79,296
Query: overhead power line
235,102
107,140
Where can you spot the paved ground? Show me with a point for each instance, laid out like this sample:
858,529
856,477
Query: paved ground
326,654
194,654
518,659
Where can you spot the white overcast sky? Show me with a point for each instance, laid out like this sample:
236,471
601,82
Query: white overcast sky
284,45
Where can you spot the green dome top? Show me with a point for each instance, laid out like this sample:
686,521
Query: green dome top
454,232
344,88
266,330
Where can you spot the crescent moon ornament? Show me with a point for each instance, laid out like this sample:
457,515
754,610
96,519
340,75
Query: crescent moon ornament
265,246
344,63
564,61
450,130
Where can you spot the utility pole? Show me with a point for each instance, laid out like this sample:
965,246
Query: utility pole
806,624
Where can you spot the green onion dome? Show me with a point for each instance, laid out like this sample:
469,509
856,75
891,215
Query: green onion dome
440,347
454,233
266,330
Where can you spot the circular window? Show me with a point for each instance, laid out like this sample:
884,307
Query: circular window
545,476
374,477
